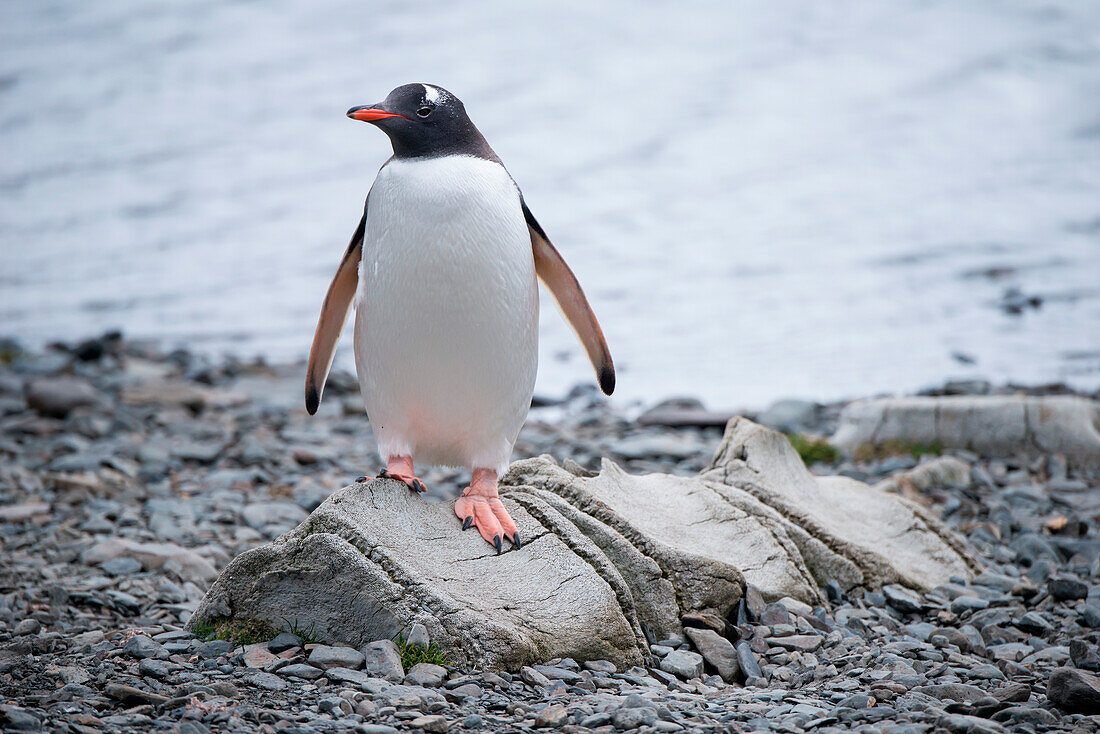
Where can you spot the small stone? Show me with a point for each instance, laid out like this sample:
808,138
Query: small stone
141,647
902,599
804,643
224,688
300,670
57,397
1075,691
968,604
334,705
284,641
382,659
754,603
377,729
258,655
632,718
267,681
151,668
747,661
1066,589
600,666
27,626
716,650
133,696
533,677
418,636
346,675
325,657
435,724
13,718
214,648
955,691
551,717
775,614
426,674
683,663
121,566
1035,623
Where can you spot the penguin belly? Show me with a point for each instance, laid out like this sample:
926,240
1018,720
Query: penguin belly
446,324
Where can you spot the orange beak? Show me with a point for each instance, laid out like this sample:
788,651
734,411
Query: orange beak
370,113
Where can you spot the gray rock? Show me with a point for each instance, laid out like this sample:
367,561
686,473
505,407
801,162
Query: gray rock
746,660
267,681
418,636
435,724
995,425
534,677
284,641
141,647
120,566
845,530
683,663
626,719
300,670
1074,690
325,657
150,668
347,675
27,626
717,651
902,599
789,416
382,659
56,397
551,717
955,691
608,553
1067,589
426,674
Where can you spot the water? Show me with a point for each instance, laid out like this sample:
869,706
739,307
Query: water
762,199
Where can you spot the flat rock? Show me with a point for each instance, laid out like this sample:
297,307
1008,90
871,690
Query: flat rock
326,656
56,397
991,425
605,557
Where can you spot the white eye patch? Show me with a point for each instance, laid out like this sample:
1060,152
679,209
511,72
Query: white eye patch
431,94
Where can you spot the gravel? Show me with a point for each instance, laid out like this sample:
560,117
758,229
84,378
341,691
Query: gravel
146,473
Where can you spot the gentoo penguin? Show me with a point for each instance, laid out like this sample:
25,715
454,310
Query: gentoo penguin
442,270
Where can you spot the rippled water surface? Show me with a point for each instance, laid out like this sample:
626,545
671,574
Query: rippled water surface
762,199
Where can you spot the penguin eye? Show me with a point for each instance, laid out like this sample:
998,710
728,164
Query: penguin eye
424,111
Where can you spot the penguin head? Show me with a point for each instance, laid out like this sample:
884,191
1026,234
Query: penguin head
422,121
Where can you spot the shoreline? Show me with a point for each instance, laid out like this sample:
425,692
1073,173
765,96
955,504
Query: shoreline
130,478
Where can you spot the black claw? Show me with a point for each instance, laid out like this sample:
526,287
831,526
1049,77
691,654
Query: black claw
383,474
499,544
361,479
420,486
516,541
468,522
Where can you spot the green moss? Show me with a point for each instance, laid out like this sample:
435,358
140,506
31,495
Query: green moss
876,452
411,654
237,631
813,450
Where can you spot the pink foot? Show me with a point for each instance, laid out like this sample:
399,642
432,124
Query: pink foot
480,507
401,469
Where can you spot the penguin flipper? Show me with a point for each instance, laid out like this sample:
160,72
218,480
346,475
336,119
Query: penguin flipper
562,283
334,312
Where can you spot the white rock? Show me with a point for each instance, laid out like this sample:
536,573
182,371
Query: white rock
991,425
